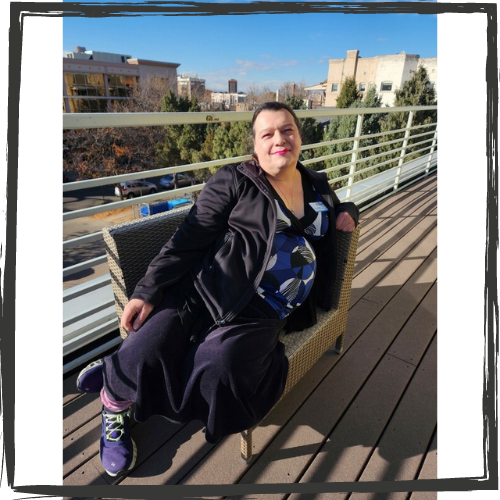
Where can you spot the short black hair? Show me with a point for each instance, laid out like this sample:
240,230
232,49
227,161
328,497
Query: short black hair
274,106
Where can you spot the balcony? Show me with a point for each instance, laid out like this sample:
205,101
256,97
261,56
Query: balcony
347,420
89,319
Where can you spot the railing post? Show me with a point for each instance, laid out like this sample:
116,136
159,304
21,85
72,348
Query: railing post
433,147
354,156
403,151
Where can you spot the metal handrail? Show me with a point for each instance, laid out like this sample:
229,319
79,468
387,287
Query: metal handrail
105,120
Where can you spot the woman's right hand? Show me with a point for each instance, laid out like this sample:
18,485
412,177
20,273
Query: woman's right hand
134,314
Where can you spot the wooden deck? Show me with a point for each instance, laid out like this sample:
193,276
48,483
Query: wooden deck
369,414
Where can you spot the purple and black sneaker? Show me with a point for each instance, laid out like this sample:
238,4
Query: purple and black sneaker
118,452
90,378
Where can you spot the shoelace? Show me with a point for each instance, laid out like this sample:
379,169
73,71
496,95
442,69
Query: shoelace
115,425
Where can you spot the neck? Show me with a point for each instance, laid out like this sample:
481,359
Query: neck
287,176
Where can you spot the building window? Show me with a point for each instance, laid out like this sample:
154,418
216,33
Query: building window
87,105
386,86
335,87
120,86
82,84
86,92
362,87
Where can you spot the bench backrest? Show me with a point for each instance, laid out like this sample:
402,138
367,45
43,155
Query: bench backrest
131,246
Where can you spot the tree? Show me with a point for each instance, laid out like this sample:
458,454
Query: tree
292,89
257,96
345,127
182,144
310,130
231,139
147,96
417,91
348,93
91,153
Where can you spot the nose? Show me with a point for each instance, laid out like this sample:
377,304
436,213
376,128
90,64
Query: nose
279,138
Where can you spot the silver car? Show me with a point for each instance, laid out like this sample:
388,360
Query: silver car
183,180
130,189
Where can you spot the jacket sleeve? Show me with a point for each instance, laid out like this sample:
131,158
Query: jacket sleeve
206,220
346,206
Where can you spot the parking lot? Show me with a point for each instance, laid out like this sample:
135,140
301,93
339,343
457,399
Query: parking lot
74,228
87,198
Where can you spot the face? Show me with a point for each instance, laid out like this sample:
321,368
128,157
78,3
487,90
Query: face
277,141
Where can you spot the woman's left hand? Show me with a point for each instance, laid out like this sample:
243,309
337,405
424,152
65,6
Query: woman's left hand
345,222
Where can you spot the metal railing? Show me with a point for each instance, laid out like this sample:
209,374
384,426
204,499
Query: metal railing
360,177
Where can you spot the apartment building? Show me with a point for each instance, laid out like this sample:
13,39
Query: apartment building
189,86
93,81
226,100
386,73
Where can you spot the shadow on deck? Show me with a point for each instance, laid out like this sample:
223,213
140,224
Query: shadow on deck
369,414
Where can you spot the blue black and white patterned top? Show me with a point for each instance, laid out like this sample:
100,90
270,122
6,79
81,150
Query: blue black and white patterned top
291,270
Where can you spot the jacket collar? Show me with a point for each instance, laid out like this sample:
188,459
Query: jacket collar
253,170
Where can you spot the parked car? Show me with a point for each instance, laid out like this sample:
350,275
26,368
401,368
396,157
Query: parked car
129,189
183,180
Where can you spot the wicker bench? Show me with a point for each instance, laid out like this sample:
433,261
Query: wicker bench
131,246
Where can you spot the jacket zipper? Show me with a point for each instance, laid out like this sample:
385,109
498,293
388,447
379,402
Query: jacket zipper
232,314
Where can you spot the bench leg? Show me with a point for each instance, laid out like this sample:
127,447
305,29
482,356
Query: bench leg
246,446
339,344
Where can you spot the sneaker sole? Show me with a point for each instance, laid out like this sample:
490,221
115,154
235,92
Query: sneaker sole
84,371
132,465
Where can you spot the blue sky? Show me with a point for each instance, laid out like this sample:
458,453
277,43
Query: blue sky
257,49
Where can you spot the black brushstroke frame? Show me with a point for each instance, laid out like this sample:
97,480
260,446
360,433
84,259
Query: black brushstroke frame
20,10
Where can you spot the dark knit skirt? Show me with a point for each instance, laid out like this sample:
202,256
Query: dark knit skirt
183,367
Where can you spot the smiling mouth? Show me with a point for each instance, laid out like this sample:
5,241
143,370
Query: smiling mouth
282,152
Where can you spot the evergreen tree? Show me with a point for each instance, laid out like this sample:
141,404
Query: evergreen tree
345,127
348,93
231,139
371,126
221,147
182,144
417,91
310,129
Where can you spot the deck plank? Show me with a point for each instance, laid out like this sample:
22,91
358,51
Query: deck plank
350,445
345,441
395,214
413,424
389,250
289,453
428,471
343,418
